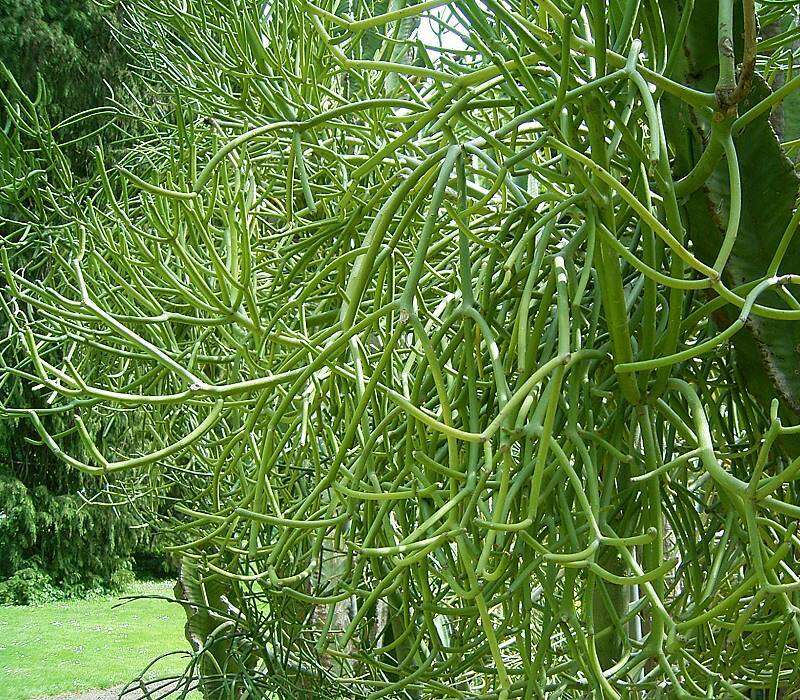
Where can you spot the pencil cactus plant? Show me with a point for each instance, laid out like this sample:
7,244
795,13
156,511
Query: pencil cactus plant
423,316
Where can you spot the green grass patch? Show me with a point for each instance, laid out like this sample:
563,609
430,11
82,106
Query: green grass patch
85,644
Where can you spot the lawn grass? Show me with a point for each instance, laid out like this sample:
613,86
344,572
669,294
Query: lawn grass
84,644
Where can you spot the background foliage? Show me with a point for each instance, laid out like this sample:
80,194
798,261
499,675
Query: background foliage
66,46
65,55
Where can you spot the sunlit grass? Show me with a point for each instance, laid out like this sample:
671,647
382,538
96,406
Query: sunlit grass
86,644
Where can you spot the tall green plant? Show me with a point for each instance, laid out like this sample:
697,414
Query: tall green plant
436,349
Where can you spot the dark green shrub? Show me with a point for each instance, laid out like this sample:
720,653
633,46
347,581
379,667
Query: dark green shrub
46,526
122,578
28,586
151,561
